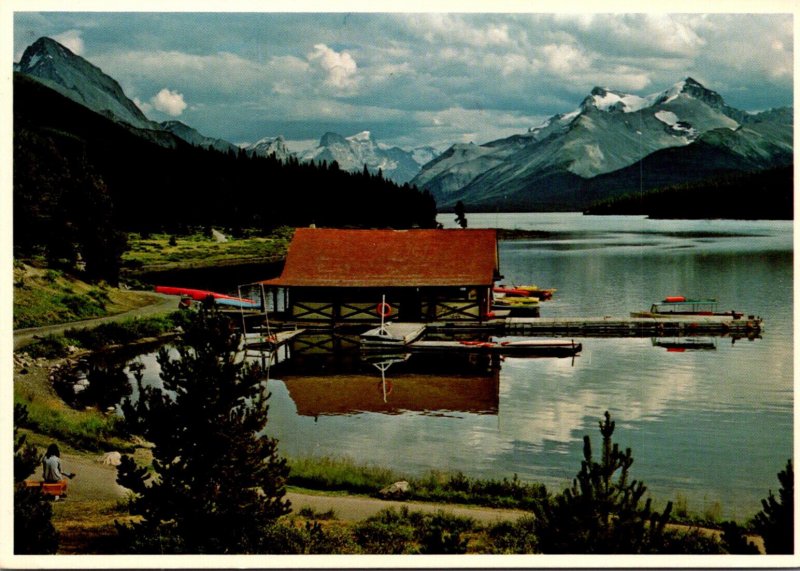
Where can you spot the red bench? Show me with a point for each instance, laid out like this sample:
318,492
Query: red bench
51,489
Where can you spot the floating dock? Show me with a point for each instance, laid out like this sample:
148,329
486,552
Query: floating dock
633,326
258,342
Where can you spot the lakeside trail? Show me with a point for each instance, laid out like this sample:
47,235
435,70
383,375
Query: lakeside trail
153,304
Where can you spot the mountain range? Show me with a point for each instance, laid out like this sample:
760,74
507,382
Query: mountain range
614,143
60,69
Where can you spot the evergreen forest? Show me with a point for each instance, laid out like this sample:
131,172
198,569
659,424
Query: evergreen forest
82,181
763,195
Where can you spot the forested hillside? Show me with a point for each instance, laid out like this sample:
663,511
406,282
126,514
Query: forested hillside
764,195
81,181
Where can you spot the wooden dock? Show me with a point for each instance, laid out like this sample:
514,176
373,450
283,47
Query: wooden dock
258,342
632,326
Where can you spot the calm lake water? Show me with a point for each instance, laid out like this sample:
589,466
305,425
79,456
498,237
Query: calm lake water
712,427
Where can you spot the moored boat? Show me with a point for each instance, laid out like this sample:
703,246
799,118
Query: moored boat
677,305
525,291
202,295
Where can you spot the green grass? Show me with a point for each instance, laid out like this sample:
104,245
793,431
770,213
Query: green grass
93,338
43,297
83,430
345,475
339,474
198,249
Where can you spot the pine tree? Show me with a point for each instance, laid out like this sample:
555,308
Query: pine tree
601,512
460,212
775,522
33,527
220,484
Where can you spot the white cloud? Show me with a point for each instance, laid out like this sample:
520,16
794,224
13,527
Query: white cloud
71,39
169,102
565,59
339,67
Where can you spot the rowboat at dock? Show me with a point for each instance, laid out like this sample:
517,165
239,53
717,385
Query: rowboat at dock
531,291
524,348
678,305
678,345
392,334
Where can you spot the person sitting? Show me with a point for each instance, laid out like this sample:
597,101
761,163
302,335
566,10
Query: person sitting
52,473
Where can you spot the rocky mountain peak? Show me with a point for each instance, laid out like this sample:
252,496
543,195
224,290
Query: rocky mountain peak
330,138
59,68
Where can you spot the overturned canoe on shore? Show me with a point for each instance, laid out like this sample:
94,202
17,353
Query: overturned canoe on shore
202,295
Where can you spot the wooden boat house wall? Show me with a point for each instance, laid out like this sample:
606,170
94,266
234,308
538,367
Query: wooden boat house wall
341,276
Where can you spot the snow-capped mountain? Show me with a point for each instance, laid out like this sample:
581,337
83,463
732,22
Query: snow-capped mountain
270,146
193,137
74,77
352,153
553,165
54,65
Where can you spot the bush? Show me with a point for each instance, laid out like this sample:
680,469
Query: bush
49,347
82,307
385,534
508,537
404,532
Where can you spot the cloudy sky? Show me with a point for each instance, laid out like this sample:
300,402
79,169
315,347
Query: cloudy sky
412,79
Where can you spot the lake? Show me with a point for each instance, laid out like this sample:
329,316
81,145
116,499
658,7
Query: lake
710,428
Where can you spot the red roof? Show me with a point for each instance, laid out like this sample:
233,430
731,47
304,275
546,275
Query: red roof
389,258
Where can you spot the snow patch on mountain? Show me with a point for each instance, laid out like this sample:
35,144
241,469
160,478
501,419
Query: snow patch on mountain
354,152
267,146
610,131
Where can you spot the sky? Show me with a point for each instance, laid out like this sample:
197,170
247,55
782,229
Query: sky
412,79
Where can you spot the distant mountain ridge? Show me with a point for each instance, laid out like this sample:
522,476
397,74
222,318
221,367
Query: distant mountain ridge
574,158
59,68
353,152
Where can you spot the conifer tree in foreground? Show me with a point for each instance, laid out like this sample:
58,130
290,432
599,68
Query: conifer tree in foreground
775,522
601,512
219,483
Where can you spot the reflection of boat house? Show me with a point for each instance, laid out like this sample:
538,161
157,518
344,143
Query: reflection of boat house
334,275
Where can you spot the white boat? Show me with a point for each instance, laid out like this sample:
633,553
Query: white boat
394,334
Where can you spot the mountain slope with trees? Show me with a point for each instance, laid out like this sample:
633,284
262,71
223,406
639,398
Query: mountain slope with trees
82,180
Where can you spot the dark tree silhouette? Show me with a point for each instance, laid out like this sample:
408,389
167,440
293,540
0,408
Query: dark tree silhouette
460,213
220,483
602,511
775,522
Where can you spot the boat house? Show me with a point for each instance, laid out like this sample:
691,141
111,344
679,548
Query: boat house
356,276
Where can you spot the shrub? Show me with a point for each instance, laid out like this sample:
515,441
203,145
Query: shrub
81,306
49,347
386,534
507,537
403,532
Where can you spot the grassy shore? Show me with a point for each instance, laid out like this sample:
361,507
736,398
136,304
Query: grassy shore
161,252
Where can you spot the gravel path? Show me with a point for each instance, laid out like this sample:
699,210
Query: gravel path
161,304
96,481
